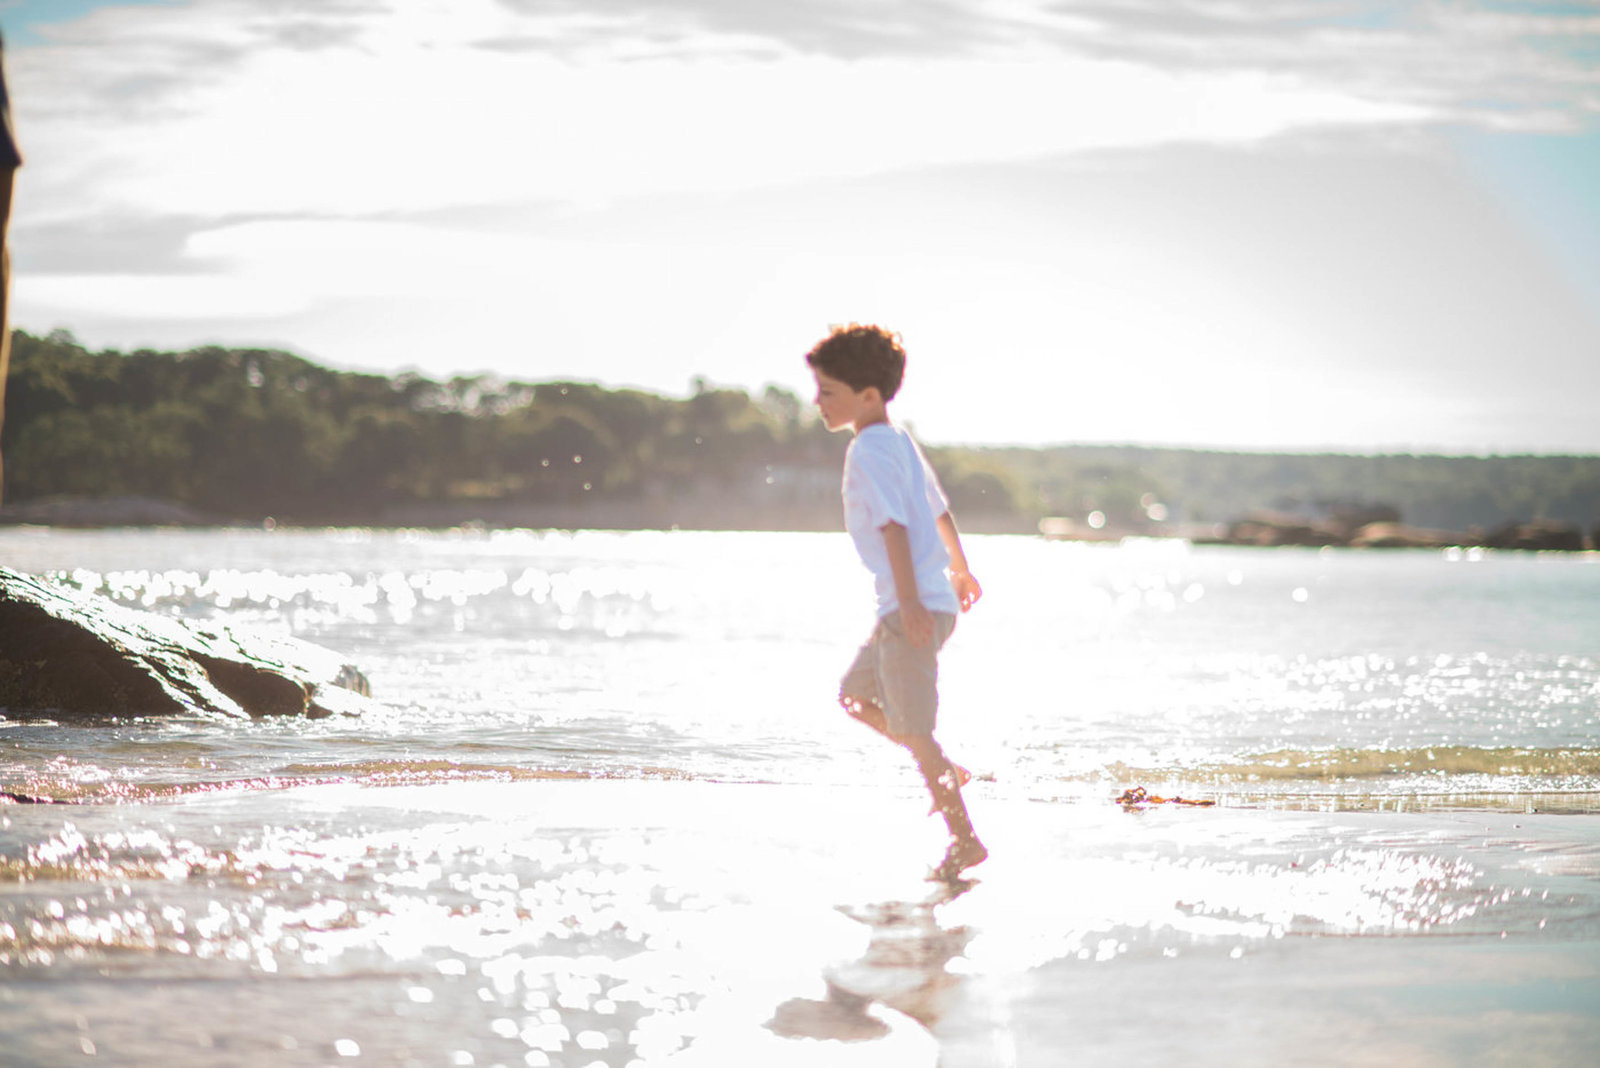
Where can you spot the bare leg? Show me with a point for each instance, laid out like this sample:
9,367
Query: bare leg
869,712
944,784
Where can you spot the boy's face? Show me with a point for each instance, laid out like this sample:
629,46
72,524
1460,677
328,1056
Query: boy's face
841,406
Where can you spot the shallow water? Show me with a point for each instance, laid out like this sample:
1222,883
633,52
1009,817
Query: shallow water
1303,676
607,812
638,922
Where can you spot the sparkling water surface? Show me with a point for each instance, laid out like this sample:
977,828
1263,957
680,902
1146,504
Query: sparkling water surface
1290,674
606,812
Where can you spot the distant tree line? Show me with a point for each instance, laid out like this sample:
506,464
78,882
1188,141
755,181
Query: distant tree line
1130,483
249,432
244,433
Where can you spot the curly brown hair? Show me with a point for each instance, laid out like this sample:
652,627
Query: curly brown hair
861,356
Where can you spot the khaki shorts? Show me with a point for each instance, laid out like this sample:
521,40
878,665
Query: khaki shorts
901,678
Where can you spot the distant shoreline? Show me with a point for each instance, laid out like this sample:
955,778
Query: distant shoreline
1259,531
238,435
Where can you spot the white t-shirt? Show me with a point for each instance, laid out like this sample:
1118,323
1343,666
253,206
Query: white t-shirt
887,479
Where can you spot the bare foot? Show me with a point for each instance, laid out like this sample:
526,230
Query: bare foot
961,855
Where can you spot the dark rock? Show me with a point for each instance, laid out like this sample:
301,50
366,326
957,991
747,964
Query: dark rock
1266,529
1541,534
1400,536
1350,517
79,654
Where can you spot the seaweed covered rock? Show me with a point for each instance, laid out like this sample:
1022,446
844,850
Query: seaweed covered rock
79,654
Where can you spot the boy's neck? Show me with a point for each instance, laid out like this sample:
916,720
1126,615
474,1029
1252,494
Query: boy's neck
876,417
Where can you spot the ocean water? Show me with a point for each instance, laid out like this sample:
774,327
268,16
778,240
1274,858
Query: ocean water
1298,677
606,811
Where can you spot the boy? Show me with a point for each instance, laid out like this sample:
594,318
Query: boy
900,521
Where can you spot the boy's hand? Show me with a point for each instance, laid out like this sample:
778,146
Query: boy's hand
967,589
918,623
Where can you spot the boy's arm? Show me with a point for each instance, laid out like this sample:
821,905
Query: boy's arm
967,589
916,618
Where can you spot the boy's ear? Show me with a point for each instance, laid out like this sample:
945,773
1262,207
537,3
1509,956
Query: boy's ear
872,394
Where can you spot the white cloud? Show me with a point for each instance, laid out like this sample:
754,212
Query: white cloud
205,108
640,192
72,298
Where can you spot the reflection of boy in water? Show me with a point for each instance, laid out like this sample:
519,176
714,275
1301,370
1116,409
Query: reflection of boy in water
900,522
10,160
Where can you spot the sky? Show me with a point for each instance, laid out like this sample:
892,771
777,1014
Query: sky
1264,224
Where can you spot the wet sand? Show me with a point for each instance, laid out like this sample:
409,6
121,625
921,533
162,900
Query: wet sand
611,922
